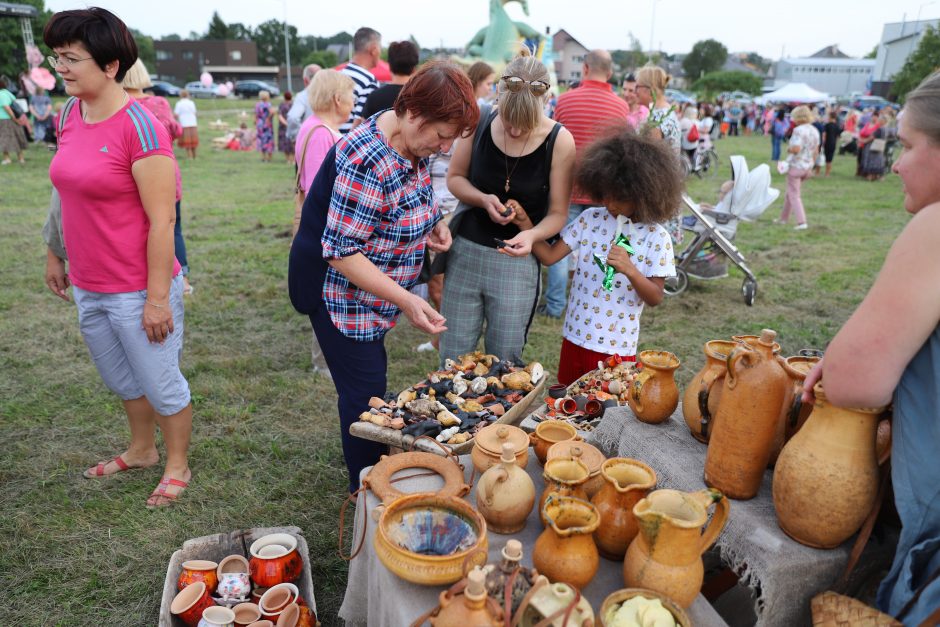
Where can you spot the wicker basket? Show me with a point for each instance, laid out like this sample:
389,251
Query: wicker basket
836,610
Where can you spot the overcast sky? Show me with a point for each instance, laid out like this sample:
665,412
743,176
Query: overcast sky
783,28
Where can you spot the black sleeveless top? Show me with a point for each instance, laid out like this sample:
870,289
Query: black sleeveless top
529,185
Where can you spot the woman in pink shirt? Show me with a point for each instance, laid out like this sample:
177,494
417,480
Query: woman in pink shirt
115,173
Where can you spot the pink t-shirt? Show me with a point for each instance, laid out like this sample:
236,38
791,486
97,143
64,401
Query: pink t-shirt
103,220
321,141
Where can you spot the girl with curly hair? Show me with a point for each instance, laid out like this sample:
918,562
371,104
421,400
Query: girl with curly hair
639,183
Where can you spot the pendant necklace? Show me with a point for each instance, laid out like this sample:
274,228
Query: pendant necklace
509,172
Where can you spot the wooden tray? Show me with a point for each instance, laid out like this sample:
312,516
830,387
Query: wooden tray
531,420
394,437
220,545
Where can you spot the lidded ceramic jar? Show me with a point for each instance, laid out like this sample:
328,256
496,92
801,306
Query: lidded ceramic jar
590,455
653,394
703,393
488,446
626,481
505,494
469,608
564,476
549,432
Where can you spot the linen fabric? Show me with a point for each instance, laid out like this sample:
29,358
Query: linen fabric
103,220
365,85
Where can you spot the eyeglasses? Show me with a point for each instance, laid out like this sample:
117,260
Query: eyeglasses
639,86
67,61
515,84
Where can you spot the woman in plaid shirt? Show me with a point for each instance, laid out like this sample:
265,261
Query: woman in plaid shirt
368,216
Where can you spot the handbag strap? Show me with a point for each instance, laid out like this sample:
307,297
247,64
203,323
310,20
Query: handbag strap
303,156
66,110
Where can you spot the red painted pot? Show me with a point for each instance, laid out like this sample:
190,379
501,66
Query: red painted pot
198,570
274,560
190,603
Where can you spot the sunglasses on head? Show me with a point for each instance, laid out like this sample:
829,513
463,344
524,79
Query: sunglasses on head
515,84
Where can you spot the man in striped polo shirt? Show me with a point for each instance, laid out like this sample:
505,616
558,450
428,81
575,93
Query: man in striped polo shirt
585,111
367,49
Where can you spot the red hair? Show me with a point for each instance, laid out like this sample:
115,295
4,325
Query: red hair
440,92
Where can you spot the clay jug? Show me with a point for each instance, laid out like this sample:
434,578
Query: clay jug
469,608
654,395
590,455
793,413
741,442
565,551
509,572
559,600
564,476
753,340
826,478
626,481
505,494
666,555
703,393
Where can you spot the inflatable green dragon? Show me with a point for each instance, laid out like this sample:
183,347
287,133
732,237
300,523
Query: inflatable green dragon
499,42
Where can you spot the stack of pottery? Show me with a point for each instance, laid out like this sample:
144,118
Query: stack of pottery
505,494
564,476
653,394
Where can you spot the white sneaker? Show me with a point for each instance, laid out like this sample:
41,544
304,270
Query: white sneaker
801,227
427,347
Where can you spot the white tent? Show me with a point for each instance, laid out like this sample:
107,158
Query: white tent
795,92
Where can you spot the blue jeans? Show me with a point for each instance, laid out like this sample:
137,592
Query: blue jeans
557,282
775,143
178,243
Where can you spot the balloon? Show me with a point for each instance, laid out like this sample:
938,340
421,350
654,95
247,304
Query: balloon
206,79
222,90
42,77
230,85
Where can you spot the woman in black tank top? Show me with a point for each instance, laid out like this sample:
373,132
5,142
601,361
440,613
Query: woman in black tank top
516,154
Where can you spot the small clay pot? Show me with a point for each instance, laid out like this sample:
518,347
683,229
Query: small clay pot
275,560
277,598
488,446
198,570
234,582
246,613
564,405
615,599
217,617
559,390
190,603
548,433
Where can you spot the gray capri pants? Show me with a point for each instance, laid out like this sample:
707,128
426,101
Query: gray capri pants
128,363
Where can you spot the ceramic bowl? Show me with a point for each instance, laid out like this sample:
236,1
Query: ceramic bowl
190,603
198,570
296,616
424,538
217,617
549,432
615,599
262,623
276,598
274,560
246,613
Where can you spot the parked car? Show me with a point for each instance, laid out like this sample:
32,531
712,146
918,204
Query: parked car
198,90
869,101
162,88
251,88
674,95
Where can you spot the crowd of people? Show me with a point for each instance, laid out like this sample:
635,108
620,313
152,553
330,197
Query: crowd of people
597,182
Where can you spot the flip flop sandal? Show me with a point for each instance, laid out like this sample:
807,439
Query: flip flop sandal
161,490
98,470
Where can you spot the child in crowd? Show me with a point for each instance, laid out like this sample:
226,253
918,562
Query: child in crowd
639,181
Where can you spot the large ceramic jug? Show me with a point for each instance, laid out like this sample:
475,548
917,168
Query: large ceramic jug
626,481
703,393
565,552
564,476
742,440
666,555
505,494
826,478
654,395
793,413
469,608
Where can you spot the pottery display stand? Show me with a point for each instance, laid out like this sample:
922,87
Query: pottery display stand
398,440
220,545
377,598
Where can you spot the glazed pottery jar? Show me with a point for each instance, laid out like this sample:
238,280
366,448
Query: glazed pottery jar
246,613
564,476
548,433
234,584
626,481
469,608
295,615
554,599
505,494
217,617
793,413
826,478
615,599
653,394
742,440
276,598
509,568
191,601
488,446
565,551
406,545
198,570
753,340
590,455
274,560
666,554
703,393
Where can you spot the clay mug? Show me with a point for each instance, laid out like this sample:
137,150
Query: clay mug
666,554
198,570
549,432
217,616
274,560
654,395
626,481
191,601
505,494
564,476
703,393
559,390
277,598
233,578
246,613
565,551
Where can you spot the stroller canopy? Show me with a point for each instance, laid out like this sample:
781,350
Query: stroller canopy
751,194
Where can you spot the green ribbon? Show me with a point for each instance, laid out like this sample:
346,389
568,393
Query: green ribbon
606,268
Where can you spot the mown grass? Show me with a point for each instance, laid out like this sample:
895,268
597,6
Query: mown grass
265,446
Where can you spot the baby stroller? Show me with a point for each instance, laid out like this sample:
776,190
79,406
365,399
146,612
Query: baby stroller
715,230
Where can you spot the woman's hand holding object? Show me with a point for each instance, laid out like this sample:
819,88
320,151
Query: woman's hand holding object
157,321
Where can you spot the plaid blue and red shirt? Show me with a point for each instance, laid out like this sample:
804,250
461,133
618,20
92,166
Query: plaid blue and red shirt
383,207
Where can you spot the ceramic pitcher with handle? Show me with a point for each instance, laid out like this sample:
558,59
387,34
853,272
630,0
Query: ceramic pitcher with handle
654,394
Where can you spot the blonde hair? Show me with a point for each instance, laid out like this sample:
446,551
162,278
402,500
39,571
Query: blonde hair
654,76
802,115
325,85
922,108
264,94
522,110
137,77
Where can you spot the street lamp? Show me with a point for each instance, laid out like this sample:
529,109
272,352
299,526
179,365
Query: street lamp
287,50
652,27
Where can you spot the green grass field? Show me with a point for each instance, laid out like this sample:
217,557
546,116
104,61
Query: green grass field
265,447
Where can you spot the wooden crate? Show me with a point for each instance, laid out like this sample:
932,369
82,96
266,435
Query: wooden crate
218,546
395,438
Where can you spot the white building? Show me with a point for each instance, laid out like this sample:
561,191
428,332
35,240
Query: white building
898,41
569,56
836,77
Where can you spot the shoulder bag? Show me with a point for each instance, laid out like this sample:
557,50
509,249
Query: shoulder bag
52,229
300,194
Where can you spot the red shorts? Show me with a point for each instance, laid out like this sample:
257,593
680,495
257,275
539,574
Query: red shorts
575,360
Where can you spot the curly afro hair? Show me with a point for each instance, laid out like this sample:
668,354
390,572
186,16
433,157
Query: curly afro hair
621,166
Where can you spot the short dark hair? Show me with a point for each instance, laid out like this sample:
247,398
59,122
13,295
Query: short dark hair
440,92
103,33
629,78
364,38
402,57
623,166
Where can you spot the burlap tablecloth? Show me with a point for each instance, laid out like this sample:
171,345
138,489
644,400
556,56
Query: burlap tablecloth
783,574
377,598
